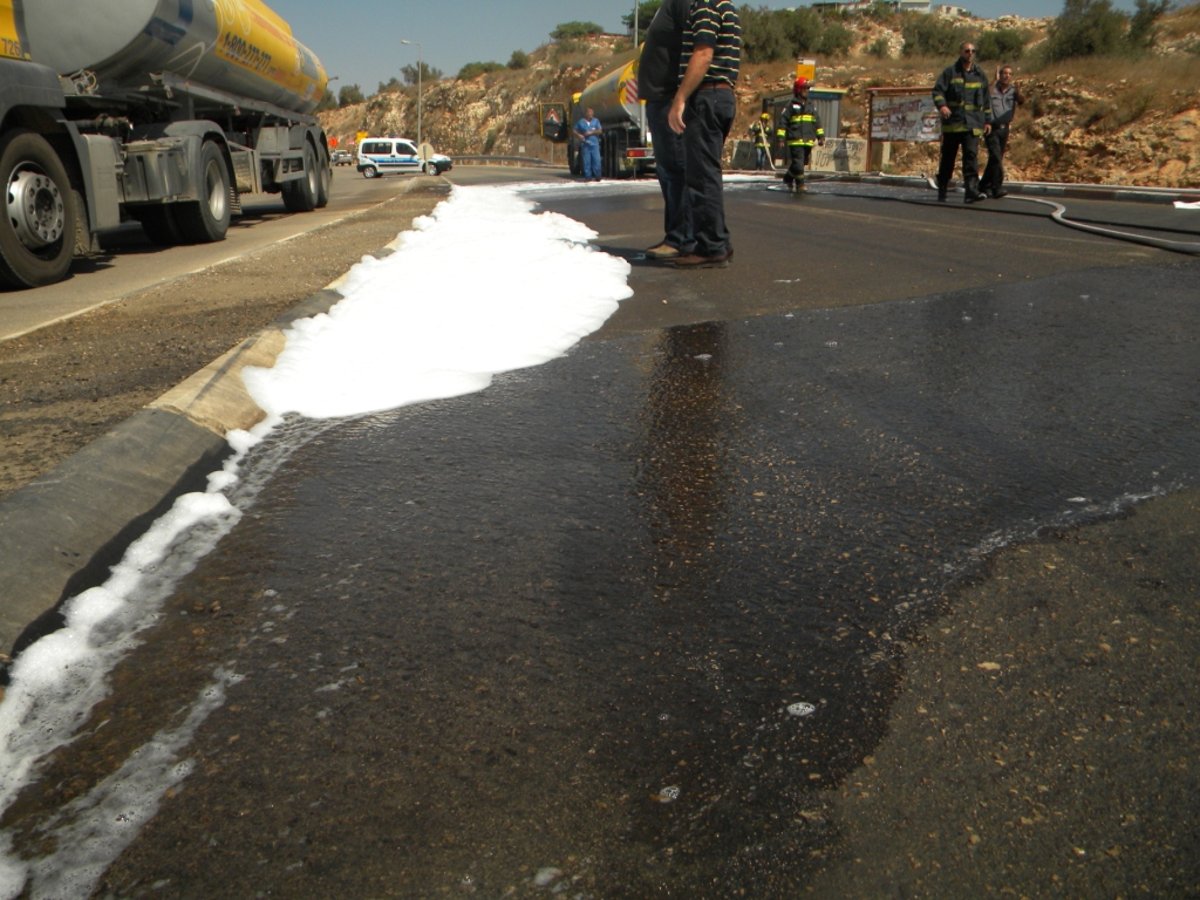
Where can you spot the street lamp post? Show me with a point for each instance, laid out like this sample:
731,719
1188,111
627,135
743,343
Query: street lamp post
420,72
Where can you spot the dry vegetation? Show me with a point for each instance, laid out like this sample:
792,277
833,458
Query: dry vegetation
1112,120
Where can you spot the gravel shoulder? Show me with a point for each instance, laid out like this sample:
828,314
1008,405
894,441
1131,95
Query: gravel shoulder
1045,739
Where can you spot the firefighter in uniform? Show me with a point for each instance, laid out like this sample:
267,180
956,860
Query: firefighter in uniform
962,99
800,128
760,132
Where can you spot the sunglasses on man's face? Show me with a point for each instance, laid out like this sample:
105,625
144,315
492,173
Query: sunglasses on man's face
969,50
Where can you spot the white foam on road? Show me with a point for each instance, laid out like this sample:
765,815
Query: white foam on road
481,286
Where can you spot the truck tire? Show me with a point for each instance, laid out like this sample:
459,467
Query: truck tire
301,195
159,223
325,183
206,220
369,172
37,228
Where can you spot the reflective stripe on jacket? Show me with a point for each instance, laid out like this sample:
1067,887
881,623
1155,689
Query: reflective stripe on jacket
965,92
799,124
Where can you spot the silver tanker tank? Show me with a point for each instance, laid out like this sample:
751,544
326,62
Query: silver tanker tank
238,46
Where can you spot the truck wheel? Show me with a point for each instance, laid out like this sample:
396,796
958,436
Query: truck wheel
159,223
206,220
325,182
431,168
369,171
37,230
301,195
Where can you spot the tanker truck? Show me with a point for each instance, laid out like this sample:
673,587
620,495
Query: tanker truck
165,112
625,143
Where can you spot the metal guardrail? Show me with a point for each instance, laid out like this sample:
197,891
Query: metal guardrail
511,160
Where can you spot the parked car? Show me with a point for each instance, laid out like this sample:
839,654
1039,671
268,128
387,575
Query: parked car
342,158
381,156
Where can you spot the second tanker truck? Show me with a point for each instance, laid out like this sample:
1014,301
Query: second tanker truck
163,111
626,149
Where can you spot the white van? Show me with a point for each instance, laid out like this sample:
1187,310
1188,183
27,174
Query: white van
381,156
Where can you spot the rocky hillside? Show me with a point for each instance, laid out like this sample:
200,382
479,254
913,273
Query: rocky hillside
1104,122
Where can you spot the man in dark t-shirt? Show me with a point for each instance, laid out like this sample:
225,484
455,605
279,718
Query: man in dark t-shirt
703,111
658,79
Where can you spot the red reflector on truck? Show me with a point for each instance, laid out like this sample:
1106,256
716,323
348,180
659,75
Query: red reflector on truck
638,153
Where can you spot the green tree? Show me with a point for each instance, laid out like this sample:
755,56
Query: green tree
391,86
1143,27
645,12
328,101
804,29
836,40
568,30
932,36
518,60
1086,28
771,35
427,73
475,69
881,11
1002,44
764,36
880,49
350,94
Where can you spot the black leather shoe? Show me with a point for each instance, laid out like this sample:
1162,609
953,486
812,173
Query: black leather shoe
974,198
996,195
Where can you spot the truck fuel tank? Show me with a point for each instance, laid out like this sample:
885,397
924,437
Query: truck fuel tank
614,96
238,46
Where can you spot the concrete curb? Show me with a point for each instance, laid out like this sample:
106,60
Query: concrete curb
61,533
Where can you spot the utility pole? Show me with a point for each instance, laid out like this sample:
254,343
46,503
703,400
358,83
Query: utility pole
420,73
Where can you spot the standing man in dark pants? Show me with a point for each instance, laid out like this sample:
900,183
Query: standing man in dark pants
703,111
658,79
961,97
1005,98
800,128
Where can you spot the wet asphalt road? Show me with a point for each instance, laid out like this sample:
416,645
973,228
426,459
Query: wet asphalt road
565,632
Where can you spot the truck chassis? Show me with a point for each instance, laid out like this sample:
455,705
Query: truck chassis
177,159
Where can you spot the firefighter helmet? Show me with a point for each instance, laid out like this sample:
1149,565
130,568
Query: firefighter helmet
766,115
800,83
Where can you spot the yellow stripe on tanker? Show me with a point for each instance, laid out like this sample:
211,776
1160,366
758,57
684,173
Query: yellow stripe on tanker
10,40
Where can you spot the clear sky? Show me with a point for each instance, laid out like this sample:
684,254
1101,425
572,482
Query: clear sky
360,42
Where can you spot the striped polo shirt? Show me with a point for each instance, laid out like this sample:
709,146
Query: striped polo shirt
714,23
